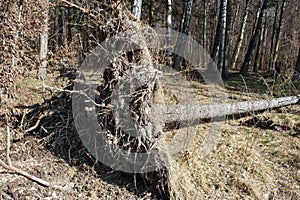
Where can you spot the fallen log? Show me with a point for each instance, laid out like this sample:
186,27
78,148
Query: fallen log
169,113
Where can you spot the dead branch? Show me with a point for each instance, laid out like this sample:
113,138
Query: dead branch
31,177
85,11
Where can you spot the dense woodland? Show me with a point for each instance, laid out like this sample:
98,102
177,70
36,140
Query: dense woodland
49,39
242,36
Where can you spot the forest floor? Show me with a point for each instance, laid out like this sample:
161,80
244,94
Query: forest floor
256,157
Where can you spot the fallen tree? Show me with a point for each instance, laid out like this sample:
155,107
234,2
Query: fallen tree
185,112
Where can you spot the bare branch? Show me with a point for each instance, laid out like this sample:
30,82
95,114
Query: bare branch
31,177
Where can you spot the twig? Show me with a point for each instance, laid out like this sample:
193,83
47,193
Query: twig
8,146
23,118
31,177
36,124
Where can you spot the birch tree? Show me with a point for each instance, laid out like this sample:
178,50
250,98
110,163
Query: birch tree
204,24
221,56
137,9
44,40
254,40
169,25
241,35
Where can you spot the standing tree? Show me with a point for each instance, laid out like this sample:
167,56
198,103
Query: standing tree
204,24
219,44
259,49
185,29
44,40
169,25
297,69
221,57
254,39
137,8
278,35
241,35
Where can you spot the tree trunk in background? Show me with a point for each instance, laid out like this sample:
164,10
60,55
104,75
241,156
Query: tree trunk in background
185,29
169,26
297,69
241,36
278,35
259,50
44,41
215,48
228,34
60,26
69,26
254,40
273,36
204,25
264,47
151,12
221,35
137,9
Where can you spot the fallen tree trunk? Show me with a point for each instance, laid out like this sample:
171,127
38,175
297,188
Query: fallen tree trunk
169,113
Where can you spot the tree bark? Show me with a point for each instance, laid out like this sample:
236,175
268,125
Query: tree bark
254,40
187,112
241,36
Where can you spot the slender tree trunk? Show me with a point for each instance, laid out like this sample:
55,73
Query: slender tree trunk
254,40
259,49
69,22
204,24
137,9
216,46
263,48
297,69
228,34
44,40
273,36
221,57
278,35
169,26
151,12
60,27
241,36
185,29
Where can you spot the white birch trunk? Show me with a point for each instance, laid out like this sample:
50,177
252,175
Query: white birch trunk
241,36
44,41
169,113
137,9
169,26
